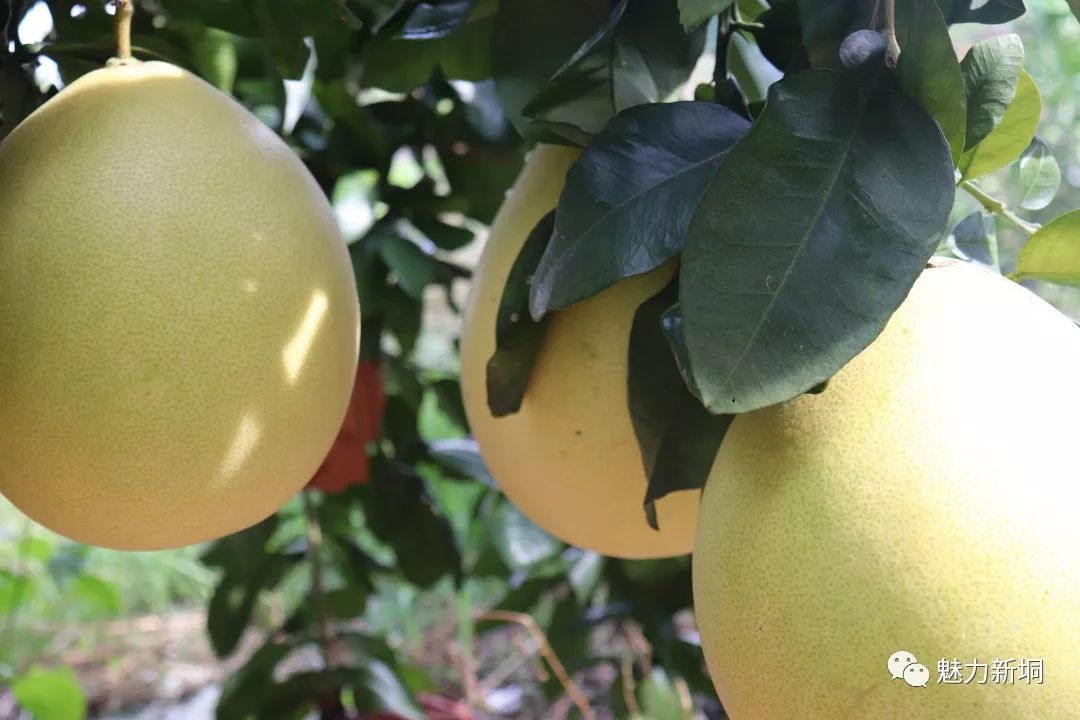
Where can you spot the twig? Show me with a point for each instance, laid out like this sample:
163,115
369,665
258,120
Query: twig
993,205
526,621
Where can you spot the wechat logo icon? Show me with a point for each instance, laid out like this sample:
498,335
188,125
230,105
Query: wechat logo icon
903,666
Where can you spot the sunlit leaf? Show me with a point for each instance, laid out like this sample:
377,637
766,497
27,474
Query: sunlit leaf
1053,252
1012,135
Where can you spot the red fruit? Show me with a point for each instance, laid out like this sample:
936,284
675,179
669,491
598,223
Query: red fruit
348,464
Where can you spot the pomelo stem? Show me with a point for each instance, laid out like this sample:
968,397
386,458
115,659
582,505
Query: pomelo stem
125,9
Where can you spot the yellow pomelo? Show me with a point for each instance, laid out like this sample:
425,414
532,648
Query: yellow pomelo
178,317
569,458
925,503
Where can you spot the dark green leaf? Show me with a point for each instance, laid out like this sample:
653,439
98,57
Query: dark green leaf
991,70
413,268
929,70
377,687
629,198
693,13
780,38
857,187
244,689
1075,6
50,694
975,239
399,64
532,40
447,237
677,437
401,513
991,12
825,24
461,457
1053,252
347,602
517,337
1039,176
429,20
1010,137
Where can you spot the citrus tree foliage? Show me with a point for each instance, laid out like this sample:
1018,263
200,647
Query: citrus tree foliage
801,213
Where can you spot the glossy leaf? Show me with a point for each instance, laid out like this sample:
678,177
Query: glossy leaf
975,239
1008,140
809,237
1053,252
930,71
693,13
629,198
429,20
1039,176
517,336
991,71
50,694
677,437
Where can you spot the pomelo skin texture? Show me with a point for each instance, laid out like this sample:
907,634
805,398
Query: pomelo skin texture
178,316
925,502
568,458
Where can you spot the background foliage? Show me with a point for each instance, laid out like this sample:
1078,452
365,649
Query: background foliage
415,117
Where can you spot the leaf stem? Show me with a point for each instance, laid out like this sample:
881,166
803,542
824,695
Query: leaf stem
992,205
125,9
727,23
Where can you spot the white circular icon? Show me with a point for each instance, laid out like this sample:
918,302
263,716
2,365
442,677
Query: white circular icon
898,661
916,675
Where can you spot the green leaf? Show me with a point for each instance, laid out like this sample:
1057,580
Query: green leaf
1011,137
35,548
677,437
991,71
638,54
402,514
446,237
400,65
520,542
50,694
659,698
429,20
629,198
14,591
857,187
1074,5
347,602
930,71
975,239
825,24
249,569
517,336
101,597
1053,252
991,12
693,13
243,691
533,40
1039,175
413,268
780,38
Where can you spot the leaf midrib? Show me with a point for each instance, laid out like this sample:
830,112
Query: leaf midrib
802,244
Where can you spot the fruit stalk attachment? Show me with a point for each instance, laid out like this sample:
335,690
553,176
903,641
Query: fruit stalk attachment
125,9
